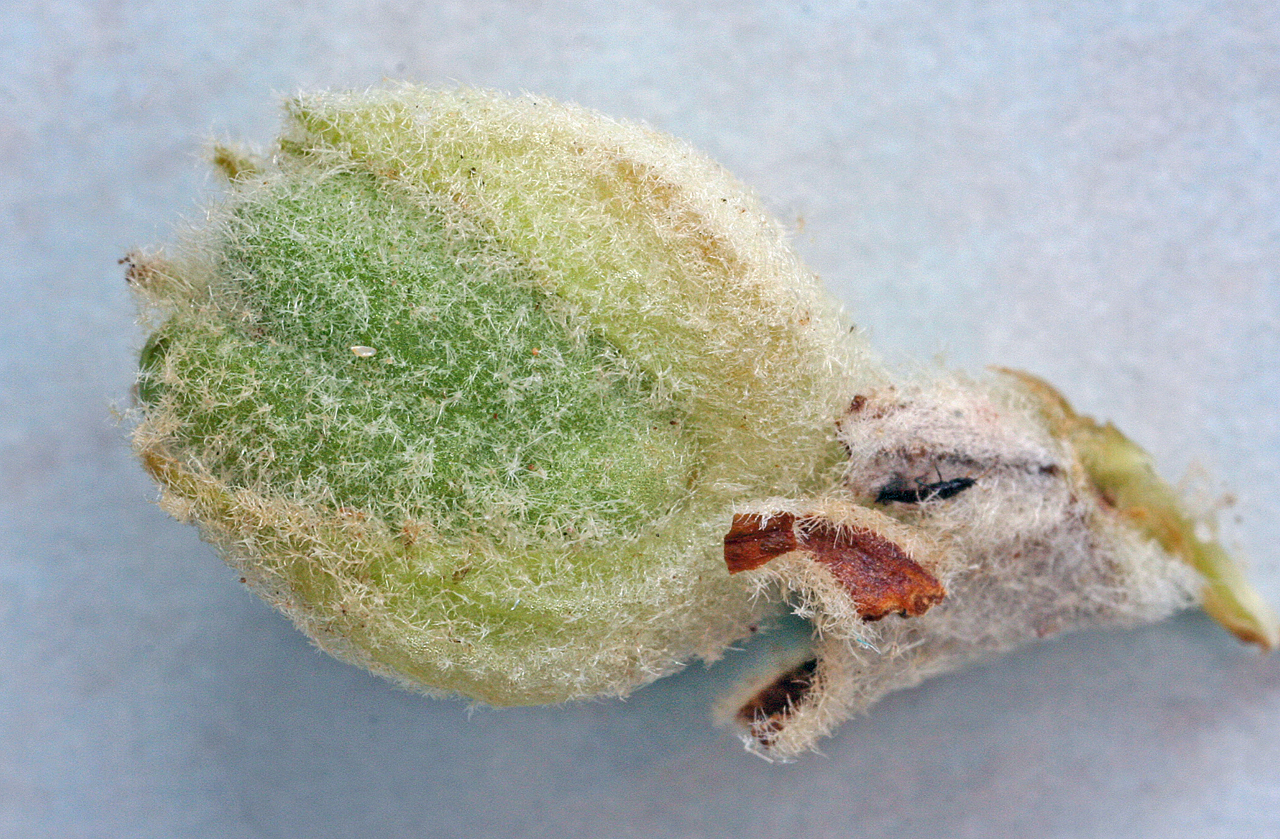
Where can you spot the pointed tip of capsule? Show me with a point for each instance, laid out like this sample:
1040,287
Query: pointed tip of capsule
1122,473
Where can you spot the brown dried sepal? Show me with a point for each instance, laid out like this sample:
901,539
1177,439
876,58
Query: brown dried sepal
880,577
753,540
765,714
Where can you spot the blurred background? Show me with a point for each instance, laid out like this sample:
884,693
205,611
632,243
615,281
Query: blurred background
1089,191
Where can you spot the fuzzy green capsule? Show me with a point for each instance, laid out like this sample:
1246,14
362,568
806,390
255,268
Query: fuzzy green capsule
496,396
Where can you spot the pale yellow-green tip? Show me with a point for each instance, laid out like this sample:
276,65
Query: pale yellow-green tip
1125,478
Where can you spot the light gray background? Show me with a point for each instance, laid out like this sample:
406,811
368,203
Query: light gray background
1090,191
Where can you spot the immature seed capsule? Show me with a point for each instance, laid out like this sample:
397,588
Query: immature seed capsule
497,396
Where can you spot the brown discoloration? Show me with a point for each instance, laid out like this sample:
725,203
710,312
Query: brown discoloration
639,184
863,407
140,270
162,468
855,407
766,712
753,540
880,577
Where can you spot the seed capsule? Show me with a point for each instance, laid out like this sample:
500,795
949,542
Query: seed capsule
618,427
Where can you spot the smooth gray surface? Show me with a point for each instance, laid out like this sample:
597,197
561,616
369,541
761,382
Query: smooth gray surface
1089,193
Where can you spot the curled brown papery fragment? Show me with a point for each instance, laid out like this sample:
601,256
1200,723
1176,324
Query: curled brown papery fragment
753,540
766,713
880,577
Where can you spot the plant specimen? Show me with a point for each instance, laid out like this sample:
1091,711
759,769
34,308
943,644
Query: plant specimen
499,397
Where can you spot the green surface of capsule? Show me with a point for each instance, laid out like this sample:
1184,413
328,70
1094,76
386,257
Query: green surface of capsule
468,385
